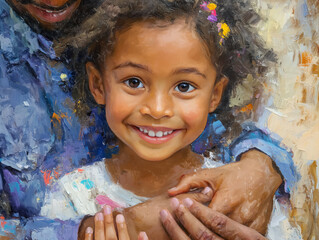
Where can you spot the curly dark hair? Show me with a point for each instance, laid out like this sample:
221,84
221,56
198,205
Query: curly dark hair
240,54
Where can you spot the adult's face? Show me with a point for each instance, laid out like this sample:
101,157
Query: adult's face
50,14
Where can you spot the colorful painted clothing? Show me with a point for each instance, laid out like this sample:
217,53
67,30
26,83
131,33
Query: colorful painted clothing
84,191
41,138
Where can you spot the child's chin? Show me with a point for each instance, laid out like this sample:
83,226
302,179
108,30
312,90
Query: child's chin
154,157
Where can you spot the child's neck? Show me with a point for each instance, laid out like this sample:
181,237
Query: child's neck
148,178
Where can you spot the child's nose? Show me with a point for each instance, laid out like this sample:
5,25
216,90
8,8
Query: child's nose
158,105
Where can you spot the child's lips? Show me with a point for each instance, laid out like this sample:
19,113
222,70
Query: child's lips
156,135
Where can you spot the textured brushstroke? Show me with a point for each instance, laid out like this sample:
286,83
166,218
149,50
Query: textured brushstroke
290,105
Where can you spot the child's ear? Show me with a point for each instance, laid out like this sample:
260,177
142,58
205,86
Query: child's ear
95,83
217,93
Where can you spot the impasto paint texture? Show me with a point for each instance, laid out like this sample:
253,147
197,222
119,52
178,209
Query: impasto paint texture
290,105
54,139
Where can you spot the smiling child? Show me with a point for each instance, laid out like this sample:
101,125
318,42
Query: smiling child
157,97
159,74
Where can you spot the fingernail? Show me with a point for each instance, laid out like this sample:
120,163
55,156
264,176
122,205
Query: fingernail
99,216
181,207
163,214
207,190
107,210
188,202
120,218
174,203
89,230
142,236
172,189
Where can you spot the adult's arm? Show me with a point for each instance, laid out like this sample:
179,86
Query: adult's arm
243,190
269,144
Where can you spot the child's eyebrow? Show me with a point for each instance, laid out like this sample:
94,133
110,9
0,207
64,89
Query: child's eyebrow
189,70
132,64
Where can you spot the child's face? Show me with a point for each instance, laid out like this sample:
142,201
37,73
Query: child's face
158,87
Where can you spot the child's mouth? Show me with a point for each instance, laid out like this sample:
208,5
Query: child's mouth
155,135
152,133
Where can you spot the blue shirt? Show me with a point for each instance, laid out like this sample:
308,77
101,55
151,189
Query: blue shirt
41,137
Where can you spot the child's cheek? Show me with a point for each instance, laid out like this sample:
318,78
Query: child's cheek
195,118
117,107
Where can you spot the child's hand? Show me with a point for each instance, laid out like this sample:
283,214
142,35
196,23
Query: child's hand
104,227
243,190
201,222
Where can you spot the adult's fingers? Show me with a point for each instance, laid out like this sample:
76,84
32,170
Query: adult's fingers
221,224
121,227
88,234
142,236
171,227
193,180
193,226
204,196
99,227
109,228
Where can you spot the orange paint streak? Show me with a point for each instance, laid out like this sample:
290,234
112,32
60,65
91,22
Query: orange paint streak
2,221
305,59
47,176
56,117
80,170
65,116
59,117
56,174
247,108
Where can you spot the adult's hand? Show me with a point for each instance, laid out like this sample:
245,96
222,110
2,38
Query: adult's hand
202,222
104,227
145,216
243,190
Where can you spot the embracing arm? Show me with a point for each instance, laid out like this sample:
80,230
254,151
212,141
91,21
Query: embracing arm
243,190
254,138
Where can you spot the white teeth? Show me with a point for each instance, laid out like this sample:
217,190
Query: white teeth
151,133
159,134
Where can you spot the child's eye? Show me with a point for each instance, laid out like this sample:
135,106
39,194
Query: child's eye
184,87
134,83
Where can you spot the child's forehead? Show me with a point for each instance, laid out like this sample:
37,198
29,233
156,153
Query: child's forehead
170,44
158,32
177,34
